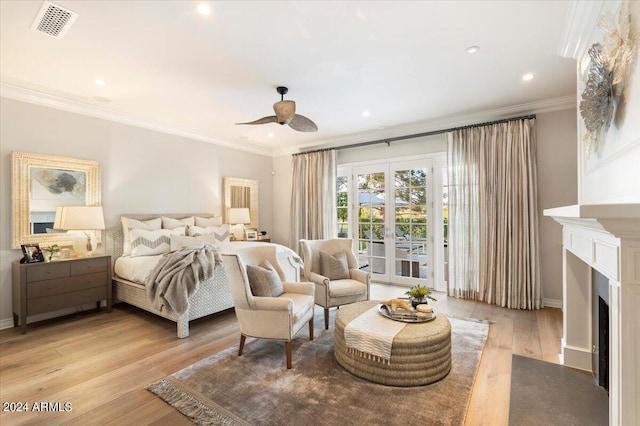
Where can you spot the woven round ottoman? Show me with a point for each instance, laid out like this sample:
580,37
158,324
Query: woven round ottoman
420,353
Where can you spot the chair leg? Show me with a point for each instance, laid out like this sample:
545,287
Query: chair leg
326,318
311,329
240,349
287,346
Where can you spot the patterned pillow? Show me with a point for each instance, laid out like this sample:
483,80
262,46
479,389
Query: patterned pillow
179,241
334,267
148,243
264,280
171,223
208,221
128,224
220,233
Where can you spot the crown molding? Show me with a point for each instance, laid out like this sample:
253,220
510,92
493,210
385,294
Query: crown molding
443,123
582,18
43,99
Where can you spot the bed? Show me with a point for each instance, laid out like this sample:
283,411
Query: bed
213,295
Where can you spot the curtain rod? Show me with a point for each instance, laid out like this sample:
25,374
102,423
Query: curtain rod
418,135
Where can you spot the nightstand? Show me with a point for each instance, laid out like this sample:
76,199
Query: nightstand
49,286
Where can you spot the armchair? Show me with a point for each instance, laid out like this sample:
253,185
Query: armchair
277,318
353,287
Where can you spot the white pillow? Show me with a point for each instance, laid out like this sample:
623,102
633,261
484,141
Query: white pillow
148,243
179,242
208,221
171,223
220,233
128,224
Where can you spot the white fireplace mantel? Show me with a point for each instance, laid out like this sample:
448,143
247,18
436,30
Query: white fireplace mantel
604,237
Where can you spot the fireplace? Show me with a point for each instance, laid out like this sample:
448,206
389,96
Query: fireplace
600,329
601,295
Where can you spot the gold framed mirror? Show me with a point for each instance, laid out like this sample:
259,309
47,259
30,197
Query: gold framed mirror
241,193
40,183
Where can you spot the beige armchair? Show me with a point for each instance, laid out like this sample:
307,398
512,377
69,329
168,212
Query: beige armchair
277,318
353,287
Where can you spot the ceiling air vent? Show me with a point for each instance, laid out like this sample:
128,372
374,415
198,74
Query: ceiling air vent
53,20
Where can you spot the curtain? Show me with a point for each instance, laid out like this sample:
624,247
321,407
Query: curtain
493,214
313,198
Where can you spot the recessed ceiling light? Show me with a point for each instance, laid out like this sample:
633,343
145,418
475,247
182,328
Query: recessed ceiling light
204,9
270,135
100,82
527,77
472,49
366,113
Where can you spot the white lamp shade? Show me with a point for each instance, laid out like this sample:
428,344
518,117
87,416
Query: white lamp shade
79,218
239,215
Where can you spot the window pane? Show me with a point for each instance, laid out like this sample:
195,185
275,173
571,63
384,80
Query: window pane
419,196
364,214
418,177
402,178
342,184
342,203
403,214
419,214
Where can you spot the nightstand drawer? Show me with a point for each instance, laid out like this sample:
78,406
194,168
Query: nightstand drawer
66,285
76,298
47,271
87,266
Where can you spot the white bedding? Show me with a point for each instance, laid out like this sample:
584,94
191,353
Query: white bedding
137,268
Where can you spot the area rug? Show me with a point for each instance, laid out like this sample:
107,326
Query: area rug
257,389
543,393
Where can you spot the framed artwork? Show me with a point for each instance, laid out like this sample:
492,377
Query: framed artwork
252,235
32,253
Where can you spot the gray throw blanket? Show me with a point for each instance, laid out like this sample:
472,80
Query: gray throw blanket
178,274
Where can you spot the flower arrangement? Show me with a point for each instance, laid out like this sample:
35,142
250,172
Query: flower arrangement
420,293
53,249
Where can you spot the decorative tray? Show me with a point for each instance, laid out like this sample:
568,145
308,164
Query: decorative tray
406,316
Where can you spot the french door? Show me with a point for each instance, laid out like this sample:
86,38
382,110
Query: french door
391,218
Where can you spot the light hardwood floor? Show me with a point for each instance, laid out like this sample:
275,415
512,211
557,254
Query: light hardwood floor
100,362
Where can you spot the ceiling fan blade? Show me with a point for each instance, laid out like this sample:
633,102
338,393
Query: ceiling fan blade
264,120
302,124
284,111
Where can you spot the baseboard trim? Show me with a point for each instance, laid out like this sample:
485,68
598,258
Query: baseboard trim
552,303
576,357
6,323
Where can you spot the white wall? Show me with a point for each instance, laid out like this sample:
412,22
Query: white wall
611,174
557,183
557,186
143,171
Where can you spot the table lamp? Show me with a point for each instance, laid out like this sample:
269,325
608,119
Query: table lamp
239,217
81,218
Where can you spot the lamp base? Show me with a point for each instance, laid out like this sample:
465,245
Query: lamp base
238,231
84,243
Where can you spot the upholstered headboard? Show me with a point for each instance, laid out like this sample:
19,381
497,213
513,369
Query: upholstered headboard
114,239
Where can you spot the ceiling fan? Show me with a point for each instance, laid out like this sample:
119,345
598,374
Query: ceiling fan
286,114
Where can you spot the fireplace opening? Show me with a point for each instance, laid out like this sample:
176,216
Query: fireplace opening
600,330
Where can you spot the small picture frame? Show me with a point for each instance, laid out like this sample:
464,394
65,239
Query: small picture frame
252,235
32,253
